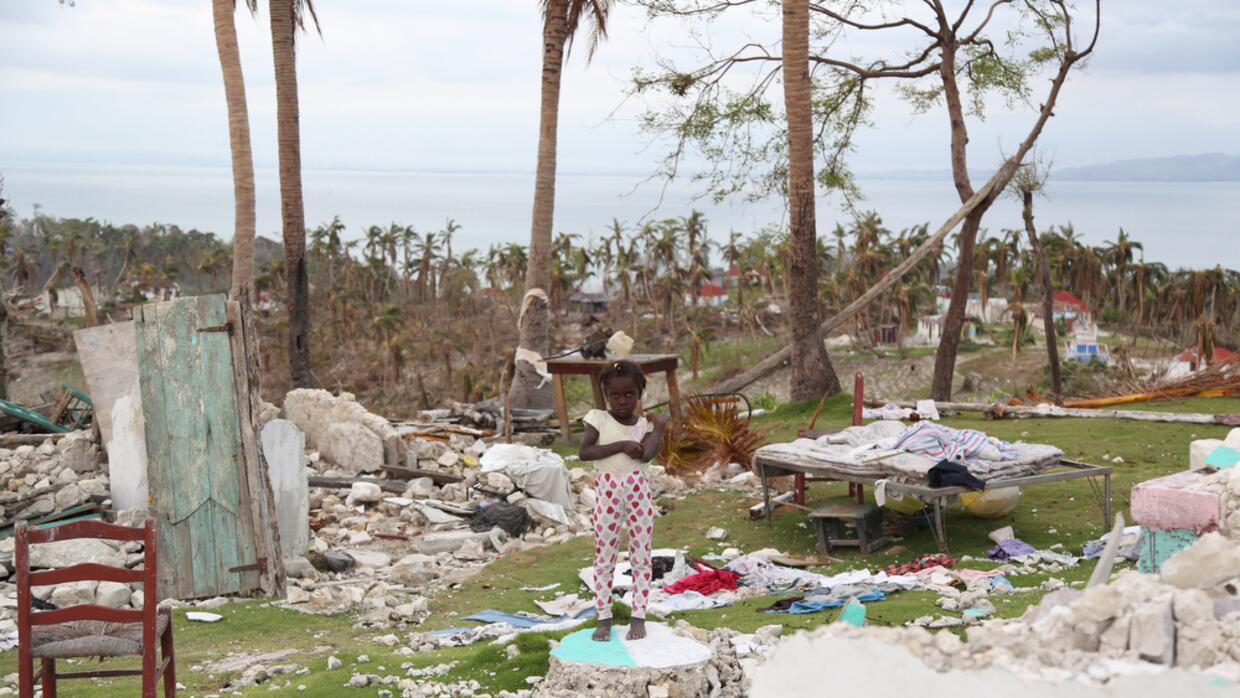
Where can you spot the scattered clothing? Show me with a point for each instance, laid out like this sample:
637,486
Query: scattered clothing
964,446
813,604
516,620
536,471
922,562
622,502
685,601
706,582
946,473
514,520
1129,544
569,605
759,572
1010,548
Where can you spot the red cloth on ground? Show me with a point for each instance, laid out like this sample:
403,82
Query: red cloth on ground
705,583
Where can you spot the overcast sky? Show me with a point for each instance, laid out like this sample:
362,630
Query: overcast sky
420,85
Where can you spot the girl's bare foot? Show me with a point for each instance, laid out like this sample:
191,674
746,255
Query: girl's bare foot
603,632
637,629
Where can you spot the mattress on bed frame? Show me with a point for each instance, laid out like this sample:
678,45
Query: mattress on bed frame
909,467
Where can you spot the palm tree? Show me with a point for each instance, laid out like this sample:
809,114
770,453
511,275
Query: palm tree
287,16
812,373
238,141
427,248
1119,254
561,20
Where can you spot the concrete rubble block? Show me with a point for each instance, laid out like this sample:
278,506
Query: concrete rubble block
113,594
79,452
470,550
353,447
1199,449
315,412
1183,500
451,541
1209,562
1114,640
74,593
411,574
68,496
1152,633
65,553
1198,637
284,447
370,558
420,488
365,493
127,453
298,567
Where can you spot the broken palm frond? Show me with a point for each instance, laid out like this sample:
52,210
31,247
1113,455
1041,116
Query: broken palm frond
1219,380
726,436
679,451
713,432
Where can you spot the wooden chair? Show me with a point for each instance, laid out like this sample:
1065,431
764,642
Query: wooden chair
89,630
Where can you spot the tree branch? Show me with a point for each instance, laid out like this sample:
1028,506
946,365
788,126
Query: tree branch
903,22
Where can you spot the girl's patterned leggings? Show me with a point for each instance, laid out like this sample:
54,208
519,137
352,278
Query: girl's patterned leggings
622,502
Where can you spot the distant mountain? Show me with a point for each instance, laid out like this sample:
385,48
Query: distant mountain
1208,167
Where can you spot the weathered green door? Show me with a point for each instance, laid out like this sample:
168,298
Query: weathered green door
198,489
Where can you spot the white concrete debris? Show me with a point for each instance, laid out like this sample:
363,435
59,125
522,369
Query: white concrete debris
1137,625
340,428
284,447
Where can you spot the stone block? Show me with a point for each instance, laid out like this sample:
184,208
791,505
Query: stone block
1198,450
1152,633
1209,562
284,446
353,447
113,594
1184,500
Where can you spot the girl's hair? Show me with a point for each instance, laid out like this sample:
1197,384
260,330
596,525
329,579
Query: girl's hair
617,369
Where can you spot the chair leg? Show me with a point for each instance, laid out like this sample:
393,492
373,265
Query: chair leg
168,651
49,677
25,678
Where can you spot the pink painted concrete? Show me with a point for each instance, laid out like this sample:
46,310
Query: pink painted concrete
1176,501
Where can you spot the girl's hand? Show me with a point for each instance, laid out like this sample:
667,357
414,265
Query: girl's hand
633,450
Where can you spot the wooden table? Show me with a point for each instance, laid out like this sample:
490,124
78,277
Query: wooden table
649,363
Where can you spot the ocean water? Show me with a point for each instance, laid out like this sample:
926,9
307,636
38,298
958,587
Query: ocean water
1180,224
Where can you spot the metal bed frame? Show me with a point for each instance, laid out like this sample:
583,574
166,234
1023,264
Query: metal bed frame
938,497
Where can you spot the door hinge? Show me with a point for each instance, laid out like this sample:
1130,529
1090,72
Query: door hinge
226,327
260,565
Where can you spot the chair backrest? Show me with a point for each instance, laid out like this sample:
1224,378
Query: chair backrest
87,571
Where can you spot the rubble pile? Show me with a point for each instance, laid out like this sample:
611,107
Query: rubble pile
1187,618
718,675
39,480
381,543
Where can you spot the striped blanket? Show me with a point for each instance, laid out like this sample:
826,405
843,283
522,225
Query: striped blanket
958,445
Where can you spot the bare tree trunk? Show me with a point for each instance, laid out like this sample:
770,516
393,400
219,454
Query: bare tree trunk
1048,295
812,373
528,389
292,213
949,345
239,144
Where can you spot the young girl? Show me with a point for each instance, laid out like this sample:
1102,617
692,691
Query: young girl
620,442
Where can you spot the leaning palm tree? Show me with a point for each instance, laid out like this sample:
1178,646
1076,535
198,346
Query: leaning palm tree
561,20
287,16
238,141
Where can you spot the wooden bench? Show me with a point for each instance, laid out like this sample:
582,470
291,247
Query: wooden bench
867,519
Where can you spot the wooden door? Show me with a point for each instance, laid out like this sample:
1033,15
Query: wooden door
199,491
